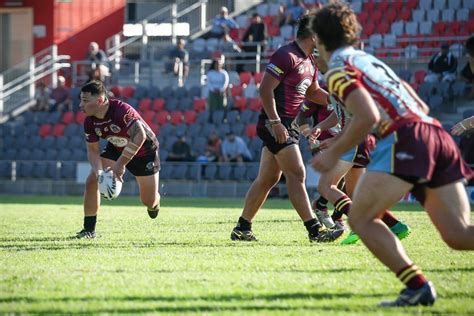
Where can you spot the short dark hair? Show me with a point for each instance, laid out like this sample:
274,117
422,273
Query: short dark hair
303,30
95,88
336,25
470,46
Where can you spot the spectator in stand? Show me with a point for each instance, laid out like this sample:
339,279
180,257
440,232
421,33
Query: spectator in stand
294,11
221,24
60,97
255,35
229,49
467,73
179,55
442,66
214,146
217,83
99,68
180,151
234,149
42,97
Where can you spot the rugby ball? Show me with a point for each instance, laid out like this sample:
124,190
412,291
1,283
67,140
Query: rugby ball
109,186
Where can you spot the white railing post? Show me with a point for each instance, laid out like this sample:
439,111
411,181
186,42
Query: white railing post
136,73
54,75
174,20
144,41
203,14
117,53
31,69
258,57
1,95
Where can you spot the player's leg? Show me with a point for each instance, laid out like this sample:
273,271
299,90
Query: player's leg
449,209
291,163
376,192
92,202
268,176
149,194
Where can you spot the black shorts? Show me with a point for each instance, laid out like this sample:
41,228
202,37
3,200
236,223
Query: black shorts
264,131
139,166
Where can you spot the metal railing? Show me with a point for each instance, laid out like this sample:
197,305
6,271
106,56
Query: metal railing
17,85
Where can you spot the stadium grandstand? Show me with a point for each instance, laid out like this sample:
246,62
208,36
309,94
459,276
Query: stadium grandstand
42,150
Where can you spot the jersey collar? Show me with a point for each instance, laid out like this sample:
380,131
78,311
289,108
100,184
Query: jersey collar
340,50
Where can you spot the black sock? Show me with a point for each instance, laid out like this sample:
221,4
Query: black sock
336,215
89,223
312,226
243,224
321,203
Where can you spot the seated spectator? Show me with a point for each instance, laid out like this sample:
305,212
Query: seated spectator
221,24
99,68
60,97
180,151
294,11
217,83
467,72
177,56
42,97
213,146
228,48
442,66
234,149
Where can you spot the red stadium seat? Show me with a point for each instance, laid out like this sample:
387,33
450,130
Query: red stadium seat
257,77
144,104
176,117
383,6
412,4
158,104
236,91
397,5
369,6
376,17
149,117
128,92
240,103
273,31
384,28
45,130
190,117
390,16
58,129
251,130
245,77
117,91
256,104
235,34
199,104
455,27
155,128
68,118
162,117
368,29
420,76
268,20
405,15
80,117
440,27
363,17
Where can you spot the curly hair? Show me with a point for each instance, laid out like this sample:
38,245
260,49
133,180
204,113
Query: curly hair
336,25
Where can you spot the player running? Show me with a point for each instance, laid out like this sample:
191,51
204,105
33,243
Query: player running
414,153
290,77
131,144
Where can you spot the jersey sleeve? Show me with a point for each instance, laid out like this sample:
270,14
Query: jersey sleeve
341,81
91,136
127,116
280,65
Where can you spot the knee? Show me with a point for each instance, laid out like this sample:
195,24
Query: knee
297,176
267,182
356,222
150,200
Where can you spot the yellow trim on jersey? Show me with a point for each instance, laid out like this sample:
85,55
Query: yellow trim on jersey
338,82
333,78
343,87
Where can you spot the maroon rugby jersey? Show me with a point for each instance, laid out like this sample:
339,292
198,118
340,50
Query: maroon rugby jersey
296,72
114,126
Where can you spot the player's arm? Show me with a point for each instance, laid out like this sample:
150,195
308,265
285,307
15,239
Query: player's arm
93,155
421,104
137,135
365,116
268,84
317,94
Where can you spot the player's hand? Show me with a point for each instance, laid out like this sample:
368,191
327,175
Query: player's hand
459,128
315,133
325,144
119,171
280,133
324,161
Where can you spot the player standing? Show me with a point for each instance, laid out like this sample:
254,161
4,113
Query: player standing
290,77
131,144
414,153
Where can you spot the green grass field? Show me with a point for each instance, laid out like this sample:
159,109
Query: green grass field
185,263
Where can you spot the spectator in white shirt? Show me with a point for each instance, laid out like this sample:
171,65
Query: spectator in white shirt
217,83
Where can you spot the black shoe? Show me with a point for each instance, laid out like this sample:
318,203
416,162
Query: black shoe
327,235
426,295
153,213
85,234
243,235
